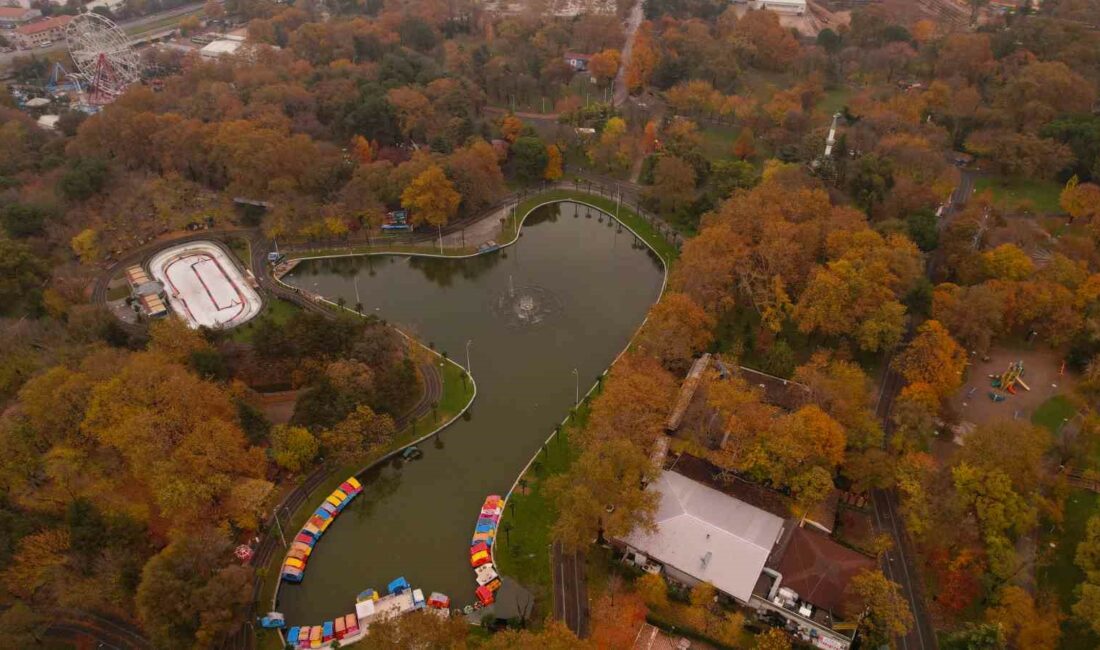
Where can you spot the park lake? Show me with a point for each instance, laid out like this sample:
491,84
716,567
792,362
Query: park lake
567,296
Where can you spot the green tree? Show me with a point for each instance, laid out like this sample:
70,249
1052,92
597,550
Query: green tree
529,158
84,178
22,274
871,179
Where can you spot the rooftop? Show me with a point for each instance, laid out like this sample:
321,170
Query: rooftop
819,569
55,22
708,535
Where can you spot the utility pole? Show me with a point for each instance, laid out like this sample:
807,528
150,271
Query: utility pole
577,375
469,370
440,226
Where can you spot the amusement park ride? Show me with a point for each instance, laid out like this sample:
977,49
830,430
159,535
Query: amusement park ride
105,61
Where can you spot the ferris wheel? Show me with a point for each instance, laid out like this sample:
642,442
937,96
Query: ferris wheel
103,56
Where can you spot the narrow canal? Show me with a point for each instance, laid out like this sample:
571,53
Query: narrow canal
567,296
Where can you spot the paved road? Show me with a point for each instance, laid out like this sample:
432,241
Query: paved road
898,563
108,633
135,28
570,589
633,21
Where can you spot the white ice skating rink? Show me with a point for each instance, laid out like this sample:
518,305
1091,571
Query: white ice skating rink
204,286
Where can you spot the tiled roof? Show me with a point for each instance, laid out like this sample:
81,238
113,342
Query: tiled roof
819,569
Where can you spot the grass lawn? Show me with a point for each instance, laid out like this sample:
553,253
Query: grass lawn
456,395
118,293
162,23
524,552
1061,575
835,100
1053,412
1010,193
276,309
718,141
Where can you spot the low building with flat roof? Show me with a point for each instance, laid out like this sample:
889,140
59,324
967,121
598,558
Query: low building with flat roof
703,535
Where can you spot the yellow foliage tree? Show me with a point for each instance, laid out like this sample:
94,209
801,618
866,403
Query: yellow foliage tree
553,163
86,245
431,198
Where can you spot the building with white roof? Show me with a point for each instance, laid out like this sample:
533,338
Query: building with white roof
221,48
781,6
703,535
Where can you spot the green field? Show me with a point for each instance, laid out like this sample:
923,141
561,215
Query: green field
718,141
523,552
276,309
1016,193
834,100
1061,576
1053,412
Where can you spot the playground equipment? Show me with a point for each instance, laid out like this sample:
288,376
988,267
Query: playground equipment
61,81
1008,381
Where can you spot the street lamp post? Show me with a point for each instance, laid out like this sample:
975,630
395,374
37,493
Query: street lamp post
469,370
577,375
279,525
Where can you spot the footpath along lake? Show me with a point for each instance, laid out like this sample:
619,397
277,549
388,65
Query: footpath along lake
569,295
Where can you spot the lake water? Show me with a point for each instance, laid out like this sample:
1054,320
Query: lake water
568,295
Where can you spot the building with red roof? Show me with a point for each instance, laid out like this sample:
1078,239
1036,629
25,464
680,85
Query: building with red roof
42,31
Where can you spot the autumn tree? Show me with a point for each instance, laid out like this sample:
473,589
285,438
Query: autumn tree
419,629
633,402
885,611
554,636
1081,201
676,330
773,638
357,435
613,148
643,58
1025,624
934,358
213,10
293,448
175,435
708,268
431,198
745,144
189,596
602,494
914,414
604,65
511,127
673,187
477,175
653,590
616,619
553,170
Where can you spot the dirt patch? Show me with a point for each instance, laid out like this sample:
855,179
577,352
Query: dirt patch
855,529
1042,373
279,407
